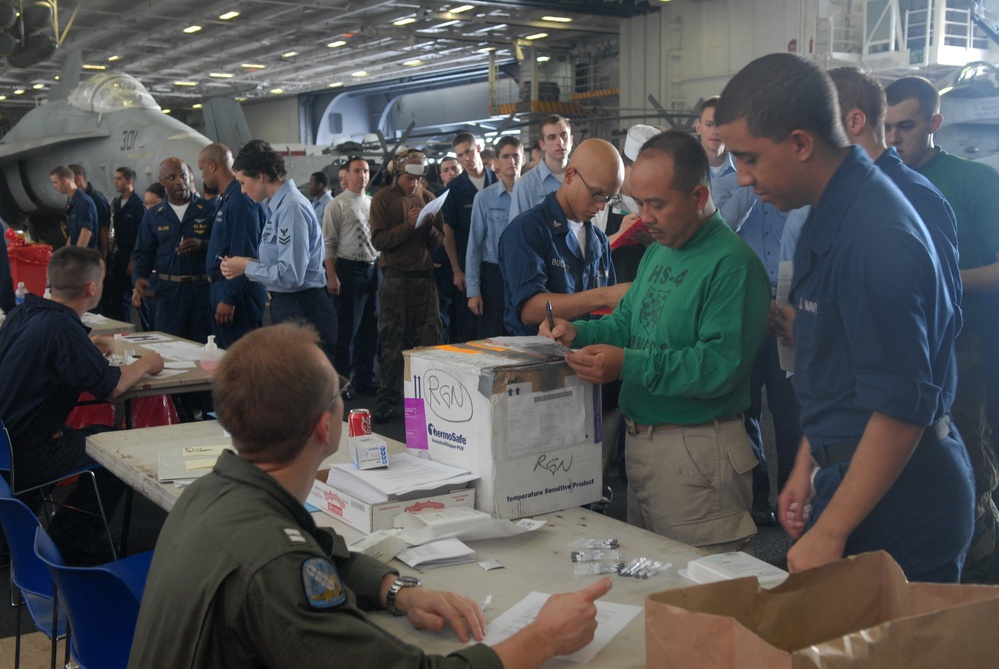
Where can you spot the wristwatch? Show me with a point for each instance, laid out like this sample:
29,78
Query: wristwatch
400,583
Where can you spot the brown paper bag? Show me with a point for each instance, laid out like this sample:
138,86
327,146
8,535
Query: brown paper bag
857,612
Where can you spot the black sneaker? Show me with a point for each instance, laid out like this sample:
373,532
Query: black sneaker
383,414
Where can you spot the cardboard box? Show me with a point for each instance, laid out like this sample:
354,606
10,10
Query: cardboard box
857,612
368,451
520,420
367,518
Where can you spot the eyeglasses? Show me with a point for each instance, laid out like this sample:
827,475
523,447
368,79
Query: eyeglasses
342,382
599,197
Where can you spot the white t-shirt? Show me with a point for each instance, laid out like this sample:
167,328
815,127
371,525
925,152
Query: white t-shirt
579,230
478,182
179,209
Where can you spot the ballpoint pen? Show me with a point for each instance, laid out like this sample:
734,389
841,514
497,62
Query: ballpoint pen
551,319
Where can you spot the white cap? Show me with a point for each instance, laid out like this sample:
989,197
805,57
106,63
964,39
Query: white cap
638,135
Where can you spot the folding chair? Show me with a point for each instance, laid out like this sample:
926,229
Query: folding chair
7,465
102,603
30,578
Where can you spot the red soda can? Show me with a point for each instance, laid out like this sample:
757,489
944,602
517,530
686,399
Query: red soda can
359,422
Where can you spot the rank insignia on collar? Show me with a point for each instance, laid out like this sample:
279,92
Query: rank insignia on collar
556,224
323,587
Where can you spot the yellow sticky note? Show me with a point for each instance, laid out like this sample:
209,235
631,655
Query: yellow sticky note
199,463
190,451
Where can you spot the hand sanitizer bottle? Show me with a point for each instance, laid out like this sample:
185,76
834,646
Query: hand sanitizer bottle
210,356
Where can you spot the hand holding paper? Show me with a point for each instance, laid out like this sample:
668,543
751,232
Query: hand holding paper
431,609
432,208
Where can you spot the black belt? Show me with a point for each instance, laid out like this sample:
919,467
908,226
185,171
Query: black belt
184,278
834,454
366,263
404,274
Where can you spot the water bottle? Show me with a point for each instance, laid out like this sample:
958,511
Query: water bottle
20,293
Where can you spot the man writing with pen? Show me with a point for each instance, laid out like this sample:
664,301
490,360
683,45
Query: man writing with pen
682,341
554,260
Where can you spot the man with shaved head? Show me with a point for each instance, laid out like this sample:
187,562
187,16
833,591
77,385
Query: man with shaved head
553,253
682,342
173,240
237,304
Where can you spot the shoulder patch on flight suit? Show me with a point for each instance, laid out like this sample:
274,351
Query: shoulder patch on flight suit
322,584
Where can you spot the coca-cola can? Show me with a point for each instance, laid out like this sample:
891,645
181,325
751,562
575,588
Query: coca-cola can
359,422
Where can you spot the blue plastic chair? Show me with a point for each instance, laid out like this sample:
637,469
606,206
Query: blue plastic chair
29,576
102,603
6,465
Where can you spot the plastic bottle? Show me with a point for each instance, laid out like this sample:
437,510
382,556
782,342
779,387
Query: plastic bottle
210,356
20,293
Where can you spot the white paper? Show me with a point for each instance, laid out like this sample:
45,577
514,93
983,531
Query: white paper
785,353
544,421
145,338
184,364
381,544
532,344
164,374
437,554
432,208
459,522
404,474
90,319
176,350
611,619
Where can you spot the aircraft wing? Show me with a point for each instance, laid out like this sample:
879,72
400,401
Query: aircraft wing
16,149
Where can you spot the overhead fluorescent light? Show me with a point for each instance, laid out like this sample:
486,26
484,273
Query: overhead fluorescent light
336,84
277,91
359,74
252,66
90,66
337,44
185,83
192,29
413,63
198,105
221,75
114,58
240,99
445,24
487,49
3,97
38,87
557,19
404,22
537,36
166,111
463,8
544,59
228,15
289,54
19,91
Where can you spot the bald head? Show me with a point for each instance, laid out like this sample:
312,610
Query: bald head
594,174
174,179
215,163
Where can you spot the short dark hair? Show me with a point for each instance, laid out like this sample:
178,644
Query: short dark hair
62,172
508,140
914,87
858,90
710,103
552,119
321,179
209,190
269,392
78,170
256,158
488,152
461,138
126,172
350,161
157,189
690,162
71,268
447,158
780,93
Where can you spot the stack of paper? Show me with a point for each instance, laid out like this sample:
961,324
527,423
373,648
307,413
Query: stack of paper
404,478
727,566
186,462
437,554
